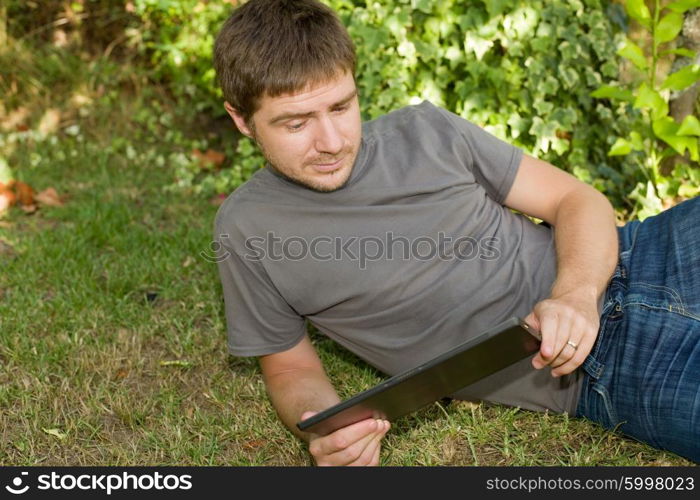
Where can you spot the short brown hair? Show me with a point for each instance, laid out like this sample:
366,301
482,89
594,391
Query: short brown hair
273,47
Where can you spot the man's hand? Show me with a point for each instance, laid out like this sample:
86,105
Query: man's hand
356,444
569,325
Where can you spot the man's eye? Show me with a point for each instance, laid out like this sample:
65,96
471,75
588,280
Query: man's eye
295,126
341,109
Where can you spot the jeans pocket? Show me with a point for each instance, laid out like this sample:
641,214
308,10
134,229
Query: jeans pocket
600,407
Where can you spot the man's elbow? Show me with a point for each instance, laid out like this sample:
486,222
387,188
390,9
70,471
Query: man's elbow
585,200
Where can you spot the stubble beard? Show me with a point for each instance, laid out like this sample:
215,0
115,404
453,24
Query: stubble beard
319,188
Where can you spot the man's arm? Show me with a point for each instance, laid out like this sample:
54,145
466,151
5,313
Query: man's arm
298,387
296,382
587,249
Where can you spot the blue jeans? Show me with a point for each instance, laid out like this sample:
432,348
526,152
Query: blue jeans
643,373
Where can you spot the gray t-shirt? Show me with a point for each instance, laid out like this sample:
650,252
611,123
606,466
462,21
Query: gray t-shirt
413,256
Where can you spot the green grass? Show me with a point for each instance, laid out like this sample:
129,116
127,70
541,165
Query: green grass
93,373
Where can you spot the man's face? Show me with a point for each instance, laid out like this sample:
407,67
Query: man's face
311,137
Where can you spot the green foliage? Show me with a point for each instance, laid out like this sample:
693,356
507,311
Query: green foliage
655,135
178,36
529,71
522,70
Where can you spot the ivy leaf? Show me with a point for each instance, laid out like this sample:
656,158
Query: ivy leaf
637,143
568,76
632,52
476,44
620,148
623,146
690,126
666,129
683,78
645,196
667,29
549,85
638,11
517,125
679,52
422,5
496,7
650,99
610,92
681,6
664,126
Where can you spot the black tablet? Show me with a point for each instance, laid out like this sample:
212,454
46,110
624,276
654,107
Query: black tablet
446,374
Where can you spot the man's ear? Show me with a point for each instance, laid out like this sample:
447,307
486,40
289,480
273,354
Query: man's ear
238,120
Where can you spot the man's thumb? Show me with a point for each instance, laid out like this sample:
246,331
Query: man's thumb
308,414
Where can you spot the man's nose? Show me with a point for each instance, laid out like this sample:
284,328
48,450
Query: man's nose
328,137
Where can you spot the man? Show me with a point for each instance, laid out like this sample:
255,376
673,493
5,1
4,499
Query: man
395,238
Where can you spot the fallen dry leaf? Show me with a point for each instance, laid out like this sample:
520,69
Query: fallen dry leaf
209,159
50,121
29,209
49,197
469,405
254,443
25,193
7,199
55,432
217,199
15,119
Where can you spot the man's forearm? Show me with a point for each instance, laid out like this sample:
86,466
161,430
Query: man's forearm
586,243
296,391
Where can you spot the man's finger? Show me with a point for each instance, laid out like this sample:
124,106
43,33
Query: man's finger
352,453
375,458
548,330
567,353
370,455
370,451
570,339
582,351
343,438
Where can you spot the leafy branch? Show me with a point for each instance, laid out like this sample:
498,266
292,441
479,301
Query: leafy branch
657,136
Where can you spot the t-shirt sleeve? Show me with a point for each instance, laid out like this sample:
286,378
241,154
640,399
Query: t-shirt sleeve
492,161
259,321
